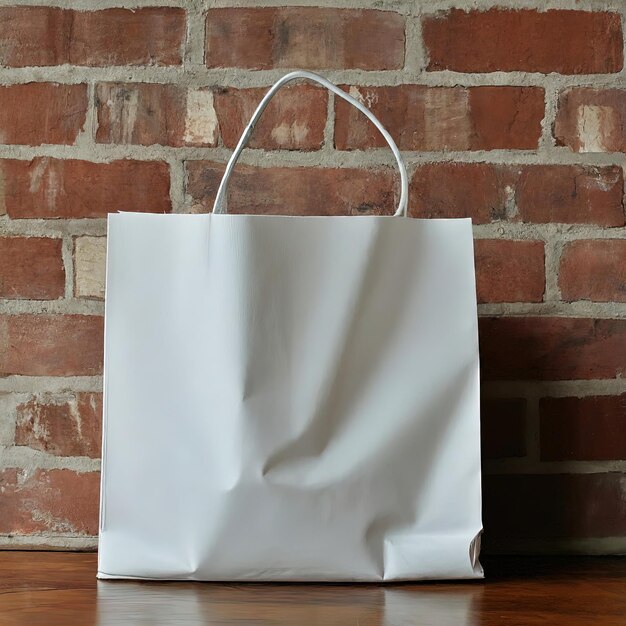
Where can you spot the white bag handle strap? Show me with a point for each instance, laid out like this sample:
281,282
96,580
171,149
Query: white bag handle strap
219,205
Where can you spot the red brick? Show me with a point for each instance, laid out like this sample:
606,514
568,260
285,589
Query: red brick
51,345
295,191
583,429
39,35
173,115
476,190
52,188
63,426
31,268
591,120
536,506
552,348
503,427
509,271
531,193
301,37
594,270
442,118
37,113
150,113
571,194
567,42
49,501
294,119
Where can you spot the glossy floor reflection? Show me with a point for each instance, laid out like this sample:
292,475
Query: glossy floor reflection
291,605
39,588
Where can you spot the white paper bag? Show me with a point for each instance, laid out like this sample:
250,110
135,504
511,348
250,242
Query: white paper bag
290,398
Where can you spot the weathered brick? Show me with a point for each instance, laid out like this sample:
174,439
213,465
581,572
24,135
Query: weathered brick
583,429
503,427
7,419
174,115
49,501
66,425
295,191
552,348
151,113
294,119
509,271
419,117
530,193
51,345
531,506
89,266
304,37
38,113
591,120
52,188
594,270
31,268
571,194
567,42
38,35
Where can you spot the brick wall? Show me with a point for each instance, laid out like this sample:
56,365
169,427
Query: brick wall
515,118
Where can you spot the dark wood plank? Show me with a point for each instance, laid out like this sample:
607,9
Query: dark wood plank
51,588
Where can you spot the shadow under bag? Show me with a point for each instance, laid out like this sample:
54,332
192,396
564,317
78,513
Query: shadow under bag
290,398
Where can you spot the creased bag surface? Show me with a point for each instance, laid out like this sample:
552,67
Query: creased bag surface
290,398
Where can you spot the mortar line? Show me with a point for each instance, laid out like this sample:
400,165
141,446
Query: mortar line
399,6
359,159
576,310
514,231
49,541
554,389
541,6
67,254
527,466
26,458
414,51
328,142
581,309
8,417
177,184
49,384
66,306
490,389
197,75
195,40
57,228
86,139
551,94
391,6
553,248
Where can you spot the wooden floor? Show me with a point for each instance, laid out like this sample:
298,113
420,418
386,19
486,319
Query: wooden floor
54,588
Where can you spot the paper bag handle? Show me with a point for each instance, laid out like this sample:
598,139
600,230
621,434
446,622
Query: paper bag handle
219,205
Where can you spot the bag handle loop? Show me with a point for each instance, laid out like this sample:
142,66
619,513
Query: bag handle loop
219,205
